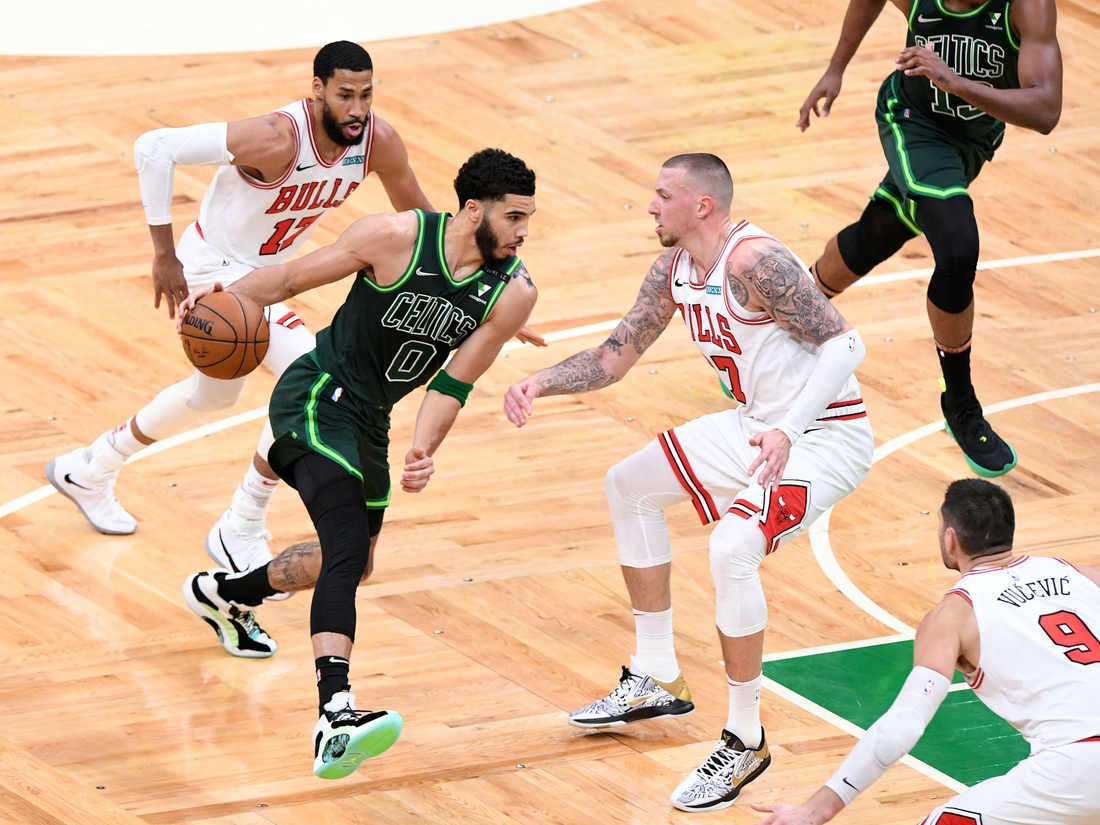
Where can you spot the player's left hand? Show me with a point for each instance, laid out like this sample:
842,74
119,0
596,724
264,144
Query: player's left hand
529,336
418,469
775,449
918,60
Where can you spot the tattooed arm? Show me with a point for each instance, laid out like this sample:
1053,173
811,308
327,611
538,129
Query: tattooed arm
764,275
767,276
602,366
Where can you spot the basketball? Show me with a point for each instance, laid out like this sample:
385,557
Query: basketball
225,336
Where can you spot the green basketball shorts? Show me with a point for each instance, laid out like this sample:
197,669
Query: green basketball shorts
925,159
311,412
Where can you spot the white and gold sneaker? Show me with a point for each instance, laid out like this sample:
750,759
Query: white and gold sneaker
716,783
637,697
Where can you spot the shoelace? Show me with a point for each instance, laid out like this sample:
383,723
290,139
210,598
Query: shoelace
721,762
248,622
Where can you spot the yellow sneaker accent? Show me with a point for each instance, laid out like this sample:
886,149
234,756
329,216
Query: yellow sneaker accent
677,687
942,383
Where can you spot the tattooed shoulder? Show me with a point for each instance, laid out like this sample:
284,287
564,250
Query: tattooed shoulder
789,294
521,274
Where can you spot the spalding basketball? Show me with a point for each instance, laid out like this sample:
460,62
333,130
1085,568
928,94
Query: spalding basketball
225,336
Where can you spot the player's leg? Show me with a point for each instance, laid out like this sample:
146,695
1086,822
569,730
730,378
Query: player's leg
737,548
639,488
880,232
87,475
238,540
952,232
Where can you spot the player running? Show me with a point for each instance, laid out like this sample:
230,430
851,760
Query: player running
280,175
1023,631
427,284
763,472
968,67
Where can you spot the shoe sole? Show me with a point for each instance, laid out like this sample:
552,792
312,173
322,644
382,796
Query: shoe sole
204,613
726,801
367,742
639,717
50,476
984,472
223,561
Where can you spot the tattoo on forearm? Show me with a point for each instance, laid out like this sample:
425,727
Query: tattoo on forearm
791,297
296,568
647,319
943,79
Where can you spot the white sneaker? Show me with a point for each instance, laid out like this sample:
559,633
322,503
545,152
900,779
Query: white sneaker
94,496
344,737
237,552
637,697
717,783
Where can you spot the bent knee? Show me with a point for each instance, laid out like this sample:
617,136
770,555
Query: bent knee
211,394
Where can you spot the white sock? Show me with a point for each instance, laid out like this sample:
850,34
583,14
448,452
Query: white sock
744,717
655,652
110,451
248,509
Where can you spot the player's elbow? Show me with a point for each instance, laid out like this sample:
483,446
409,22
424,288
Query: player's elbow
1050,119
146,147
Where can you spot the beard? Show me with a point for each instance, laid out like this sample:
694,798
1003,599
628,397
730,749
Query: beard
488,243
668,239
335,130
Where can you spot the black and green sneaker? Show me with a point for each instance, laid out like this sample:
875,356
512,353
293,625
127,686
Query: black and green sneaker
987,453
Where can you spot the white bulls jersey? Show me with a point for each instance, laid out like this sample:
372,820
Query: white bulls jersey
258,224
763,366
1039,659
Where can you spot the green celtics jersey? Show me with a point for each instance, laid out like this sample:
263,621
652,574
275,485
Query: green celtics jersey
979,45
385,341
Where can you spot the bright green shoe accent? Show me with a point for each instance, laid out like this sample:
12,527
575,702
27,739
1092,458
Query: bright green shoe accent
942,383
977,468
376,737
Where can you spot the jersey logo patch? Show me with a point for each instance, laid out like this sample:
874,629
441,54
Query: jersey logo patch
424,274
995,16
337,393
301,168
354,159
714,289
922,19
482,289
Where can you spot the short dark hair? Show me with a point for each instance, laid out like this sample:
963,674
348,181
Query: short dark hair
343,54
981,514
491,175
710,170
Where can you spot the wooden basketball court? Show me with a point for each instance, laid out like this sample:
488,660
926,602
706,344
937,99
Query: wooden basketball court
496,604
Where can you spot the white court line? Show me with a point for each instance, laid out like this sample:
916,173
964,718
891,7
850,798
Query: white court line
801,701
819,530
1027,260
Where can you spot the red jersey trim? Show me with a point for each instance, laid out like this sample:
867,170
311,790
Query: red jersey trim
312,141
370,144
759,321
297,149
1016,563
1088,739
199,230
700,498
1069,564
958,591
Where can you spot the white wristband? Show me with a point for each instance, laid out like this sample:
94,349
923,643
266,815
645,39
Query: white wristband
895,733
156,154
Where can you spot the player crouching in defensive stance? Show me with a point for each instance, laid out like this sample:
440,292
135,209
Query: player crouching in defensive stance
1023,631
787,355
426,284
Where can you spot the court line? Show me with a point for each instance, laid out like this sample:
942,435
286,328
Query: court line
819,530
1026,260
805,704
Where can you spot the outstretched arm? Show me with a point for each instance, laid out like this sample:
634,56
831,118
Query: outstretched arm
1037,104
369,238
936,649
858,20
602,366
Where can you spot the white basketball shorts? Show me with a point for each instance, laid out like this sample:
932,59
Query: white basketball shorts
711,456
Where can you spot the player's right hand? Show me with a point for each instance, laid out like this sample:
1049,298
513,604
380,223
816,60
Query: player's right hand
517,401
188,303
168,281
828,87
